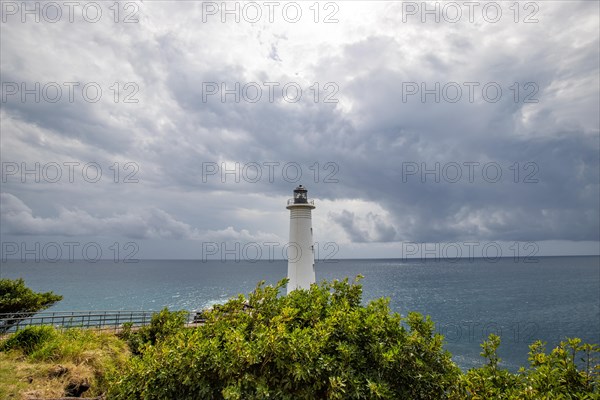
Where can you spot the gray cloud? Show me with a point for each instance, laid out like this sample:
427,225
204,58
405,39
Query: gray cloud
139,224
371,135
372,228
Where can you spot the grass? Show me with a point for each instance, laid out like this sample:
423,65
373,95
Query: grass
44,365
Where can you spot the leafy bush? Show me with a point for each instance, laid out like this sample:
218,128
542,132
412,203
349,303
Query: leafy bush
162,325
29,339
558,375
310,344
562,372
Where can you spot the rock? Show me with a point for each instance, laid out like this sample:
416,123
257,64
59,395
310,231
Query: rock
76,387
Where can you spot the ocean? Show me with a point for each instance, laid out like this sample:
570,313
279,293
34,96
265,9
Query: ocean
549,300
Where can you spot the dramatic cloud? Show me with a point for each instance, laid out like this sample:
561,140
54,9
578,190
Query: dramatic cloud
182,128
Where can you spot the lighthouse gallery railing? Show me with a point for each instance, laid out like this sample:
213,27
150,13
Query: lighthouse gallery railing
309,201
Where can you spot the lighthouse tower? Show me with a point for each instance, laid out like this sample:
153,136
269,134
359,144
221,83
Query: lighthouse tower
301,256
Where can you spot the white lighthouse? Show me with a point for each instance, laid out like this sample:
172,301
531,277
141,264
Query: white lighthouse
301,256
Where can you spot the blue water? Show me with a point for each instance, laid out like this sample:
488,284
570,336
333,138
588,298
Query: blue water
556,297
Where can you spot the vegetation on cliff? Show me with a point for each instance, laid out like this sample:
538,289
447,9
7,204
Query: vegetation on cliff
41,362
321,343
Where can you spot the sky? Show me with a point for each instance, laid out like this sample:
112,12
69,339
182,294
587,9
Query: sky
178,130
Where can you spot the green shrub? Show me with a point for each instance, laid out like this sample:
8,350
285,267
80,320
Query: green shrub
29,339
311,344
162,325
562,374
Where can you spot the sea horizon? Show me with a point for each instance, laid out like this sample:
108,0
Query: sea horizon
448,259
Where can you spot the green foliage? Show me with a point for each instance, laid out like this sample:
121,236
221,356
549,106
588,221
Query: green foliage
162,325
16,299
320,343
562,374
29,339
311,344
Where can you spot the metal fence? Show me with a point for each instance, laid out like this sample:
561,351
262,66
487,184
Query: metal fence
101,320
